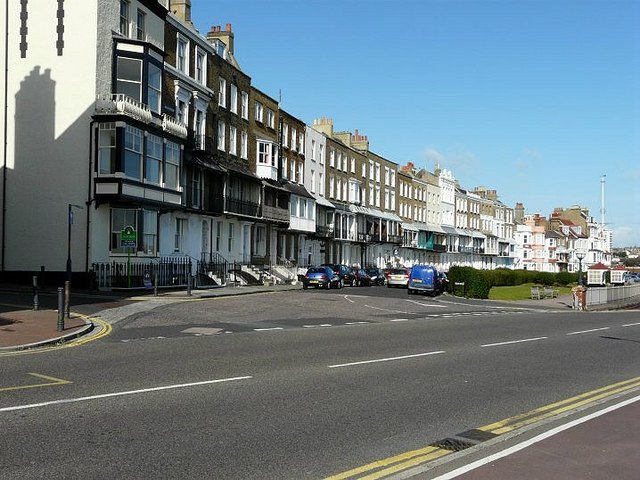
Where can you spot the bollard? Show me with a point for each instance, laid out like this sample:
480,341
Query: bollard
60,309
36,301
67,298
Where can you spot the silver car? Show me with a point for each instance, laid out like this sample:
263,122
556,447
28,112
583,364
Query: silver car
398,277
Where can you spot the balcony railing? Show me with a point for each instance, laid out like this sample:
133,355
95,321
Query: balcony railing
275,213
242,207
173,126
324,231
120,103
394,239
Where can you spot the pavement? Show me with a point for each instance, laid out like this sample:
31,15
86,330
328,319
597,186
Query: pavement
599,444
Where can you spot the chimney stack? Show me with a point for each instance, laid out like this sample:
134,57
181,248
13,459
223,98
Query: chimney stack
226,36
181,9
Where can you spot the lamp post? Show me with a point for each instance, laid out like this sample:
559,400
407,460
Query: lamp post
580,256
70,207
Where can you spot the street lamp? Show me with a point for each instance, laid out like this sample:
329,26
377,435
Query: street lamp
70,207
580,256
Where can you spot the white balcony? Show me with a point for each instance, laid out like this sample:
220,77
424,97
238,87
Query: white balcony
120,103
173,126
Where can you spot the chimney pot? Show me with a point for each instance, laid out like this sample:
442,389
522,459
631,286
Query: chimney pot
228,27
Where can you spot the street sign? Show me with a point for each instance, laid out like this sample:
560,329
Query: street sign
128,237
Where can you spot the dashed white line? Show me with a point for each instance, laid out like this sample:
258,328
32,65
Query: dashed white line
588,331
513,341
631,324
266,329
120,394
390,359
399,320
316,326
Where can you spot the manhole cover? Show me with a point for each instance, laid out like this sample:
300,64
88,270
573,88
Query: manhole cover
202,331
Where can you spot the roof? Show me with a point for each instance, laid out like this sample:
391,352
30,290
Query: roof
599,266
298,189
323,202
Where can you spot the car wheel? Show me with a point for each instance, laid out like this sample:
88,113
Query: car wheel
304,287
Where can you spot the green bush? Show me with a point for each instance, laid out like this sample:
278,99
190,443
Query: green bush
478,283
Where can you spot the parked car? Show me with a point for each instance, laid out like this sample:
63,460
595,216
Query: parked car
398,277
343,271
443,282
423,279
362,278
377,275
321,277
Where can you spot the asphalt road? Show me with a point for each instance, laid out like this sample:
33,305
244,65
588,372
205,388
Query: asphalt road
297,385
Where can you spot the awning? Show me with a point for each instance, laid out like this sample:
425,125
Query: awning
463,233
323,202
409,227
477,234
449,230
425,227
373,212
297,189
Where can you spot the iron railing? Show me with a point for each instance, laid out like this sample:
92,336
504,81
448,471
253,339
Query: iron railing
170,271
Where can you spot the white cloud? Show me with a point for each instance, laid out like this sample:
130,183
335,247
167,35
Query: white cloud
460,163
626,236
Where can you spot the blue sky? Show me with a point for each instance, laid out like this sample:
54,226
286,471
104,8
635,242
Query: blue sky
536,99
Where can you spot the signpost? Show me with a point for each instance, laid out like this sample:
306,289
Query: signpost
128,240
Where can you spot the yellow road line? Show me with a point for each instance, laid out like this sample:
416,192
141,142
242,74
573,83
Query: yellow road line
52,382
105,329
541,413
424,454
403,461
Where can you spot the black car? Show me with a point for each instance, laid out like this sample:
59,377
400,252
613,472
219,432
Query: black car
321,277
362,278
344,272
377,275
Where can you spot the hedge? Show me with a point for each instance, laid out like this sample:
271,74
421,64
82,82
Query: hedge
479,282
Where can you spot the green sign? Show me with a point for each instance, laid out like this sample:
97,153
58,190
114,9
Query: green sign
128,237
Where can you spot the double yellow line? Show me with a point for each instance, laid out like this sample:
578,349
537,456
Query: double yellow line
105,330
407,460
533,416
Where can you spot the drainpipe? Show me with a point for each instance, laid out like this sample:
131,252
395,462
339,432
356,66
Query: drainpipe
6,107
89,198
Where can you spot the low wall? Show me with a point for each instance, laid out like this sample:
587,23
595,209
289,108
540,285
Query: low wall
613,296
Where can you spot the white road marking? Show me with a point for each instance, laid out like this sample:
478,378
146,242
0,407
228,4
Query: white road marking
631,324
491,458
426,304
390,359
315,326
399,320
357,323
588,331
120,394
513,341
266,329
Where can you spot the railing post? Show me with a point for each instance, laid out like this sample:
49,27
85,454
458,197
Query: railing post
60,324
67,298
35,292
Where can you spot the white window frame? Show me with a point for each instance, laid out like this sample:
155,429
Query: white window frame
244,110
259,112
222,92
201,66
244,145
182,54
221,135
233,140
233,99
